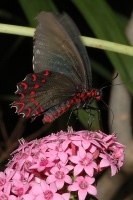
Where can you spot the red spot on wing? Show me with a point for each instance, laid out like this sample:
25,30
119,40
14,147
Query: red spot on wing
47,119
68,105
51,117
25,85
32,92
37,113
59,112
63,109
36,104
34,77
36,86
72,101
41,109
76,99
43,80
54,114
46,73
32,99
29,112
17,104
22,95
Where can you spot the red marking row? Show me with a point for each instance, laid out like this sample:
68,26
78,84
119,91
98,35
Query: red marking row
76,99
60,111
94,93
34,78
20,106
40,109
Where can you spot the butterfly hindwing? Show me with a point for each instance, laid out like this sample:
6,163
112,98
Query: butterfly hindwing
41,91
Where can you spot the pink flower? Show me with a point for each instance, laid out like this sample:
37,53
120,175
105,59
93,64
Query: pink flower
83,186
91,139
7,197
108,160
18,188
42,163
51,167
84,161
59,177
2,180
44,191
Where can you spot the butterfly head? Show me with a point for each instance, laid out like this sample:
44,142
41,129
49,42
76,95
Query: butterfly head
98,94
95,94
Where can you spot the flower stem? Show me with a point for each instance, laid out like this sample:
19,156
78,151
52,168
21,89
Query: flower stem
106,45
90,42
17,30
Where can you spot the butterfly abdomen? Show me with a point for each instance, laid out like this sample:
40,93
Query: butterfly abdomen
84,98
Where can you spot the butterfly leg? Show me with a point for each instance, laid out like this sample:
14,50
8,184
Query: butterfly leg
76,109
91,116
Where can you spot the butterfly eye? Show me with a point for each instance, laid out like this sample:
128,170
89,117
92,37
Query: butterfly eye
98,94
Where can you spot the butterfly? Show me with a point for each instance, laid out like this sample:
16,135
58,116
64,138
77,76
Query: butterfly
62,75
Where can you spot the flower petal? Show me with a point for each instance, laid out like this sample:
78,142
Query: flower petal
59,184
73,187
82,194
78,169
92,190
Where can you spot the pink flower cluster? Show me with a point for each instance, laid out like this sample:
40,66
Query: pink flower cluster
60,166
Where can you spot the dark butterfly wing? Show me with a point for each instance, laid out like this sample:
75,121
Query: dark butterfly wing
61,69
42,91
57,49
74,33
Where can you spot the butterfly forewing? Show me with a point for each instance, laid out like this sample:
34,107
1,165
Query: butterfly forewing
55,50
74,34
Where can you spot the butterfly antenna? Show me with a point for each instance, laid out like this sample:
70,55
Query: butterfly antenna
115,84
72,111
105,84
69,118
